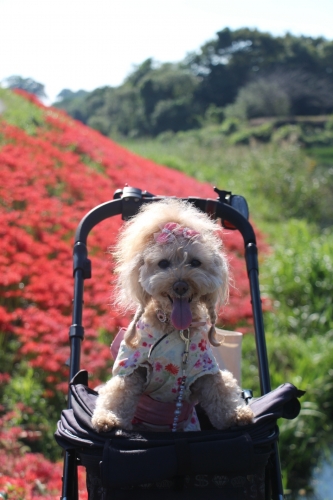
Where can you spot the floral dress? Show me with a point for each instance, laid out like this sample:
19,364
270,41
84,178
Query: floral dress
162,356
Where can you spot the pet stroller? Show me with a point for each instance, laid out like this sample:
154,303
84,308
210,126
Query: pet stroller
237,463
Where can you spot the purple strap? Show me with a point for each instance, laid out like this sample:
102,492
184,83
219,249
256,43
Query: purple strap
160,413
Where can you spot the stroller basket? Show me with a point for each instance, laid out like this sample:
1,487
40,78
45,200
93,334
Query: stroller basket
238,463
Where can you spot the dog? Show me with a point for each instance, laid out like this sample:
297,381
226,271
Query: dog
170,267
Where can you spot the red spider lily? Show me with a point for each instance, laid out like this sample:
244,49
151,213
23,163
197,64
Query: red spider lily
48,182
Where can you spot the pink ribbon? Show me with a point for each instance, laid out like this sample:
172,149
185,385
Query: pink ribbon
171,231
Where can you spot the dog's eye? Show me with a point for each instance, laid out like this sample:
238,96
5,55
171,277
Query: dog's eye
163,264
195,263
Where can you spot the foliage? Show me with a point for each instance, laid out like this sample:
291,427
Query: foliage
69,94
27,84
230,125
242,73
289,133
301,280
261,133
300,186
151,100
299,331
49,179
281,93
322,155
235,58
20,111
214,115
259,98
26,475
280,183
140,71
53,175
169,88
308,92
34,411
173,115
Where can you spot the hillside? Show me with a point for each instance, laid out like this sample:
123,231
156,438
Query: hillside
53,170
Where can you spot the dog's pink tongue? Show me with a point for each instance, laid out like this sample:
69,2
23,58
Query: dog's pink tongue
181,316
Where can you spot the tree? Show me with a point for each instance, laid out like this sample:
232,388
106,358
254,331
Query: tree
261,97
308,93
124,111
169,82
173,114
69,94
238,57
257,73
27,84
140,71
228,62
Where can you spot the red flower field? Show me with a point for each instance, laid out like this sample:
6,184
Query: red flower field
48,181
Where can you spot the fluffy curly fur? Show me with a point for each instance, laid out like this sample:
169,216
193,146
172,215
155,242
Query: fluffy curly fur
151,277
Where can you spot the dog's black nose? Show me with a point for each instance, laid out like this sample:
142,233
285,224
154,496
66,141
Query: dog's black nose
180,287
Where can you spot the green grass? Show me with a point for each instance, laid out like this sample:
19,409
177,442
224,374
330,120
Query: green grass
24,395
299,334
279,182
19,112
323,155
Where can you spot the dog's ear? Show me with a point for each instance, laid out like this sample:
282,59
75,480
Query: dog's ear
210,300
138,294
128,290
212,337
132,336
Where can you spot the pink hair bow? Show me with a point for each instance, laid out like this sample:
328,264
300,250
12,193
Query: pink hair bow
171,231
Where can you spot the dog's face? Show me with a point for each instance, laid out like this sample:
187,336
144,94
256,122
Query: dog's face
170,257
181,271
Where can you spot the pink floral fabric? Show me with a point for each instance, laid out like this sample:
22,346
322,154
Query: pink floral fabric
164,365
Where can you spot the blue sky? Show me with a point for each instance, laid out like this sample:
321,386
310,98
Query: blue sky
90,43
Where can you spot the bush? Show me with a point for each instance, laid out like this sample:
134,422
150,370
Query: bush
35,413
99,123
320,139
230,125
279,180
289,133
214,114
261,133
259,98
173,114
241,137
299,333
329,124
293,185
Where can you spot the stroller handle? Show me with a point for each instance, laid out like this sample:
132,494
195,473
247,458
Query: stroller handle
128,201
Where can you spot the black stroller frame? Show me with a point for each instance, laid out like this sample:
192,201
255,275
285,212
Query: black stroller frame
126,203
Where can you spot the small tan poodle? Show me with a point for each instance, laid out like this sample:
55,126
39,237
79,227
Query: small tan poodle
171,268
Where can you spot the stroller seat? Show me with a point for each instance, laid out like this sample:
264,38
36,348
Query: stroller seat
238,463
222,464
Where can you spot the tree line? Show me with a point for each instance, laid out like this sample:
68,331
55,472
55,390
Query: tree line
241,73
